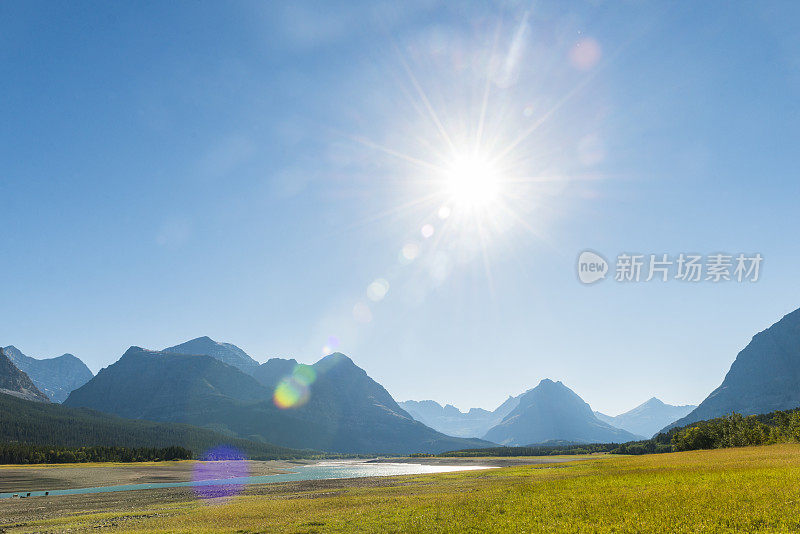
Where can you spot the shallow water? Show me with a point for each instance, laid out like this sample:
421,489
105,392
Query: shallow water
318,471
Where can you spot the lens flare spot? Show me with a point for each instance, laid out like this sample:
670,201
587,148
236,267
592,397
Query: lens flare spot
585,54
362,313
294,390
290,394
427,231
219,473
440,267
444,212
377,290
409,252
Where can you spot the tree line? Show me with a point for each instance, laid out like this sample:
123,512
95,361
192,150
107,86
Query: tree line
734,430
22,453
540,450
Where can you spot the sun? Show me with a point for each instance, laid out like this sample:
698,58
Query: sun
472,181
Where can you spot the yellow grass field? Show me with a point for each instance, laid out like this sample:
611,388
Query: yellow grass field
732,490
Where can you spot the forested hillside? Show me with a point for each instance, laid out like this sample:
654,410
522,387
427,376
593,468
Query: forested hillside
56,425
734,430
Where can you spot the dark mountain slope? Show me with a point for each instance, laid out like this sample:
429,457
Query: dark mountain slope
344,409
160,386
273,370
765,377
57,425
350,412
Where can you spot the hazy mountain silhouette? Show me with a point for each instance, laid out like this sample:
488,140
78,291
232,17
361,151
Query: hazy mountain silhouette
647,418
55,377
224,352
765,376
346,410
452,421
16,383
553,412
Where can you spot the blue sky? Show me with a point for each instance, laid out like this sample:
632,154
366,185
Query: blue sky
245,170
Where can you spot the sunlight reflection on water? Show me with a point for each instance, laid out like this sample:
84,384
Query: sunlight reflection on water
227,484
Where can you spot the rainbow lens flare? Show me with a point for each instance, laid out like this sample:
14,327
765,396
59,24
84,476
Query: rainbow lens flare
294,390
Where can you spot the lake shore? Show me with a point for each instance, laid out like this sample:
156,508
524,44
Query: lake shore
20,479
48,477
19,512
748,489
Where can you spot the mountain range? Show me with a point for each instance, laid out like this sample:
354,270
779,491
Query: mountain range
764,377
647,418
553,412
452,421
338,407
16,383
644,420
333,405
55,377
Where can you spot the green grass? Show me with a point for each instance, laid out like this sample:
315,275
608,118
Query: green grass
731,490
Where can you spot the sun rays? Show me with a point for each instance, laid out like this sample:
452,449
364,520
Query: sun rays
469,159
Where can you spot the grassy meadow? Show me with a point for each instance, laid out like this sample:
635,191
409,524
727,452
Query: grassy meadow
727,490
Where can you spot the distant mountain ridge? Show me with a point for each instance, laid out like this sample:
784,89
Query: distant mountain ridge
224,352
16,383
764,377
647,418
452,421
553,412
346,410
55,377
